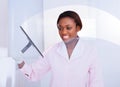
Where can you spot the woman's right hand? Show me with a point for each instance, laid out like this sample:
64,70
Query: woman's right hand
20,65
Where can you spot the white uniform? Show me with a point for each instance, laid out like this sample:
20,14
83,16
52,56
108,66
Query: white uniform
80,70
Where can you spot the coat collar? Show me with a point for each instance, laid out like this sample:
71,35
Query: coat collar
77,52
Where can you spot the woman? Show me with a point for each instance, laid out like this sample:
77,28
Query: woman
73,62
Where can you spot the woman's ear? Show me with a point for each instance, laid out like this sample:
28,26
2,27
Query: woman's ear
78,28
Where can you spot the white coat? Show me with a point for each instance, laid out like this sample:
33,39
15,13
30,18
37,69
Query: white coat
80,70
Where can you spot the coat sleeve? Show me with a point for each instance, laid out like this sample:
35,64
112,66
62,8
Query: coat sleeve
36,70
95,71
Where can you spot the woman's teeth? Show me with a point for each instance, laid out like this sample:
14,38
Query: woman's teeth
65,37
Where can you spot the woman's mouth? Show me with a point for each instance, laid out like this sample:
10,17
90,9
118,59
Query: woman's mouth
66,37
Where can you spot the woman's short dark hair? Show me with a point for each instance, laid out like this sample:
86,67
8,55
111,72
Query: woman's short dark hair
72,15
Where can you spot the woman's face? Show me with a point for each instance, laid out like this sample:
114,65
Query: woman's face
67,29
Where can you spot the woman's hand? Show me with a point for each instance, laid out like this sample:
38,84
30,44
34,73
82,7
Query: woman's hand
20,65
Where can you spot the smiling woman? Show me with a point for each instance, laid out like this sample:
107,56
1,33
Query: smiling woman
98,25
69,24
95,24
63,58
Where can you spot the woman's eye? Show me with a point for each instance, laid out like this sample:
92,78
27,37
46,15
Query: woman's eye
59,28
68,28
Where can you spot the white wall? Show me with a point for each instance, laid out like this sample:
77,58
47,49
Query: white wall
3,23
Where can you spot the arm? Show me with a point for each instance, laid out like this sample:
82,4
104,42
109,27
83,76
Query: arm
36,70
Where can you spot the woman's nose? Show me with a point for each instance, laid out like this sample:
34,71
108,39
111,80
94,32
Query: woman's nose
64,31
